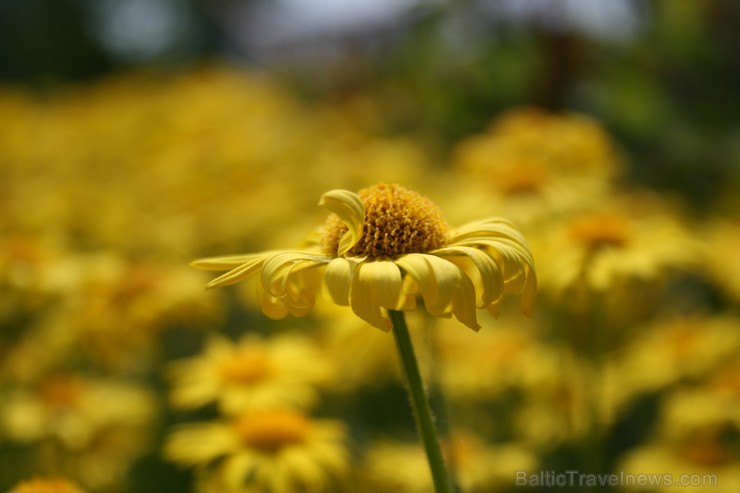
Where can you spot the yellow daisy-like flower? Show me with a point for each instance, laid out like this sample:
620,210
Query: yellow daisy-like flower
46,485
251,373
379,249
400,467
273,451
611,246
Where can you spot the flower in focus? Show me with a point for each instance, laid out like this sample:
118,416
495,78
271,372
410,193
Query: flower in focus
271,451
379,249
46,485
252,373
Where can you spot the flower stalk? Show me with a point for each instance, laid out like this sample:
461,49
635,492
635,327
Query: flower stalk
420,404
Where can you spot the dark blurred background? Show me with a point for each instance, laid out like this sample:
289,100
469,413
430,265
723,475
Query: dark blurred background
662,76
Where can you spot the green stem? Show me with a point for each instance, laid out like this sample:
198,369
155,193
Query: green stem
419,404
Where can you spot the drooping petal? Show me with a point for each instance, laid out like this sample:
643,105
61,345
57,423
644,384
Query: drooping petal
349,208
338,280
436,278
463,305
489,274
445,288
515,260
376,285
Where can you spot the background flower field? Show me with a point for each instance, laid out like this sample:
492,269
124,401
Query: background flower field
616,151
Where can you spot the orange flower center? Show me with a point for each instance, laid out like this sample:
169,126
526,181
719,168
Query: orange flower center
61,390
397,221
597,231
706,451
523,179
272,431
246,367
38,485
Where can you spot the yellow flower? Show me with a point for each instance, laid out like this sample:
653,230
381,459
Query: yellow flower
252,373
46,485
481,366
273,451
89,429
723,265
479,466
378,250
669,351
605,248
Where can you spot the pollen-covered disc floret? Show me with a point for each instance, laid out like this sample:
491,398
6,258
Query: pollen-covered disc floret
397,221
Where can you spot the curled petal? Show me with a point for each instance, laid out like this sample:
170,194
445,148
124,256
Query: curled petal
351,211
492,227
278,269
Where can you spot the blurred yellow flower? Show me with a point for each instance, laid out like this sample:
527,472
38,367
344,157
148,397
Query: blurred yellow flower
398,467
476,367
270,451
530,164
558,409
672,350
699,467
608,247
696,442
46,485
379,249
723,263
251,373
89,429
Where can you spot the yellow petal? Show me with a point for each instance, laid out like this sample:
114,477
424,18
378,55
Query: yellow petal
492,227
436,278
376,285
239,273
226,262
464,303
338,280
528,295
490,276
446,289
272,307
278,268
351,211
515,261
